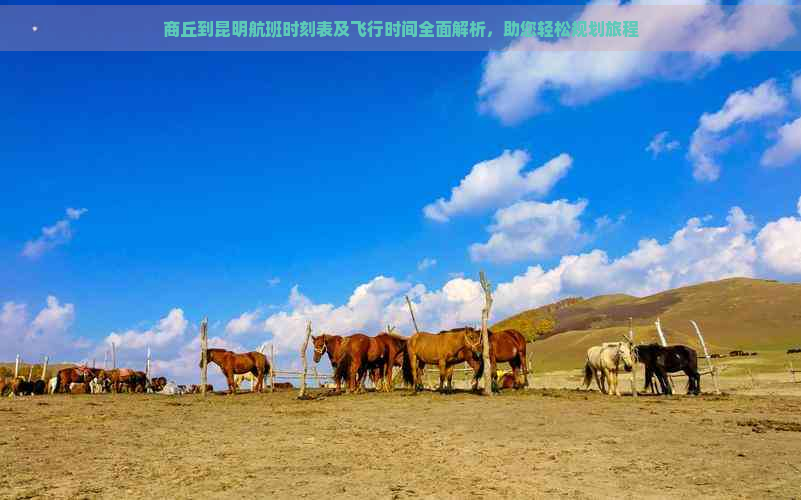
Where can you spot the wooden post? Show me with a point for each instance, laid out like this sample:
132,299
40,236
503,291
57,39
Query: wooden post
411,311
792,370
485,312
93,362
44,368
272,367
751,375
204,353
708,359
659,331
634,358
30,373
303,349
148,374
16,367
113,356
105,360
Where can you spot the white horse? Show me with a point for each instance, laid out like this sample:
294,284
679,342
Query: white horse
603,363
241,377
51,385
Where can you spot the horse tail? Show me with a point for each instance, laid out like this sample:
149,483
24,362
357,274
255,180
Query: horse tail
408,377
587,374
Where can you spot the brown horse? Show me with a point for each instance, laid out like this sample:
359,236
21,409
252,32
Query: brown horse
330,345
506,346
158,383
357,354
389,349
75,375
444,349
234,363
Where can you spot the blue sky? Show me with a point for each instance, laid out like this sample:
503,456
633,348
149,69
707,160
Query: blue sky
214,183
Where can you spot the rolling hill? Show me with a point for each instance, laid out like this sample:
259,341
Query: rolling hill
735,313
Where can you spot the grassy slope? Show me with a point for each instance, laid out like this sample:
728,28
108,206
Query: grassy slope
738,313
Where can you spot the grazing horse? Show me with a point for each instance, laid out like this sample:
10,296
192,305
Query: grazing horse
232,363
119,378
75,375
444,349
328,344
506,346
21,387
603,363
660,361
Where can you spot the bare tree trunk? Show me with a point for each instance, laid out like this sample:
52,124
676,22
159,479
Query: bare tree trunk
411,311
204,354
303,349
16,367
485,312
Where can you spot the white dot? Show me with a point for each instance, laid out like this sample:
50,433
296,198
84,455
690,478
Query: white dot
35,28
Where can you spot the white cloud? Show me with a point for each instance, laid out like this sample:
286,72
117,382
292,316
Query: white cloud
675,42
246,322
168,329
274,281
498,182
530,229
743,106
780,245
796,87
54,318
426,263
53,236
660,144
787,147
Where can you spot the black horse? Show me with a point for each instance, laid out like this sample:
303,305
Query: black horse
659,361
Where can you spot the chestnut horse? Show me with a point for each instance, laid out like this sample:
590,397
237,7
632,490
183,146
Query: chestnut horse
357,354
119,378
444,349
234,363
330,345
390,354
506,346
75,375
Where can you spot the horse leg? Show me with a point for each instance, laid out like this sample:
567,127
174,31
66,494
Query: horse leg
604,380
229,376
443,370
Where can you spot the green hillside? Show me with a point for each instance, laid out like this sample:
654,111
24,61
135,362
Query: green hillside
736,313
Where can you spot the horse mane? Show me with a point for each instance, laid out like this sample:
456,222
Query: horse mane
454,330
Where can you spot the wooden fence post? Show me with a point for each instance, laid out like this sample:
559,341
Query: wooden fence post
113,356
44,368
708,359
16,367
411,311
485,312
272,367
148,374
105,360
634,358
792,369
659,331
303,349
204,353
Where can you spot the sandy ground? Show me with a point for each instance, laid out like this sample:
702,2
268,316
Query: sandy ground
540,443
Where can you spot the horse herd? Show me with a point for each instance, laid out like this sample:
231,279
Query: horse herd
356,356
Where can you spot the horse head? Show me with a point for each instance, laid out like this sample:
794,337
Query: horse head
472,338
625,354
319,347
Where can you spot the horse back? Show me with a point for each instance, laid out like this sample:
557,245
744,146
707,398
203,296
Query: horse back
432,348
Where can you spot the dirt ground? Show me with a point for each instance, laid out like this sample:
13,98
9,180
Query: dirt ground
540,443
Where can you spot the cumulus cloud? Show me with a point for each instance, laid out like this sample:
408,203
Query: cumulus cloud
780,245
46,333
530,229
787,148
743,106
165,331
55,318
53,236
660,144
426,263
246,322
498,182
680,41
